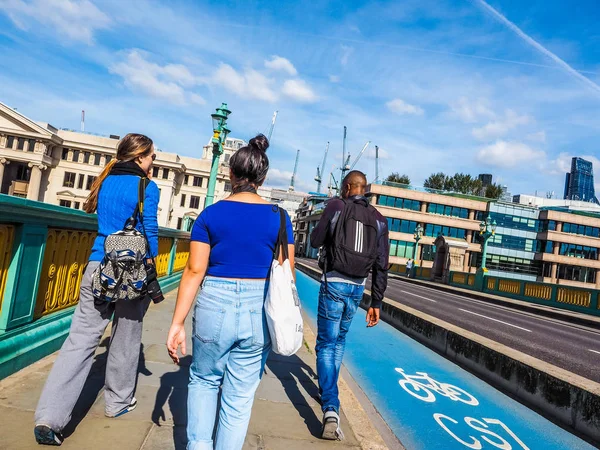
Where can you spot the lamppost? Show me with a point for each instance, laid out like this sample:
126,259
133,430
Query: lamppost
487,228
220,132
418,234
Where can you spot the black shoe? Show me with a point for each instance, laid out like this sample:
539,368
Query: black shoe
45,435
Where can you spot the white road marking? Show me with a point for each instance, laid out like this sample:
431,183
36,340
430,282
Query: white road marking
420,296
495,320
595,351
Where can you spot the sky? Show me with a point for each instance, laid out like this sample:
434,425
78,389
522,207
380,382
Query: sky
505,87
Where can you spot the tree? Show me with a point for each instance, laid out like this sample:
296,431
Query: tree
395,177
436,181
463,183
494,191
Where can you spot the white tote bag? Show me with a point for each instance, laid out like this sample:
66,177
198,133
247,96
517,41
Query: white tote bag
282,305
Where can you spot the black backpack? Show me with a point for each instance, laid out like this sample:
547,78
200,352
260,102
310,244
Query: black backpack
353,249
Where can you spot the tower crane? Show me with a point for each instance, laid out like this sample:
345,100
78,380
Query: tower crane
376,163
295,170
319,177
272,127
359,155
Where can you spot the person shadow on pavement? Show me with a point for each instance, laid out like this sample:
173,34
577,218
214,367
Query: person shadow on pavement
294,374
94,385
174,391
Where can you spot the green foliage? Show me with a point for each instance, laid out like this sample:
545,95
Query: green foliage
395,177
493,191
462,183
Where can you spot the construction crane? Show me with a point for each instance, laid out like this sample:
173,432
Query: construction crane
376,163
272,127
345,161
295,170
319,177
359,155
333,184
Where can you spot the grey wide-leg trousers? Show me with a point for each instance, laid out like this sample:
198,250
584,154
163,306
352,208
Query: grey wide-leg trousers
72,366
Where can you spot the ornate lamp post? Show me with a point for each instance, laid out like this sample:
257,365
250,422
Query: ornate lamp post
487,228
418,234
220,132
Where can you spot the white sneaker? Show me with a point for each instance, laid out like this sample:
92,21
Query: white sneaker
331,427
125,410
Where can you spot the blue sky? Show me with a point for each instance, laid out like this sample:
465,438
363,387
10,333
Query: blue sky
506,87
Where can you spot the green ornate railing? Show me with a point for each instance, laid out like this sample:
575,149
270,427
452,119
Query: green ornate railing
43,252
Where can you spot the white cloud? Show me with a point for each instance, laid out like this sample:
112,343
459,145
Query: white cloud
281,179
282,64
346,52
299,90
399,106
77,20
334,78
540,136
250,84
165,82
472,110
509,154
501,127
370,153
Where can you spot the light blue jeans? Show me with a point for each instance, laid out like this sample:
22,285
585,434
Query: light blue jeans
230,347
337,307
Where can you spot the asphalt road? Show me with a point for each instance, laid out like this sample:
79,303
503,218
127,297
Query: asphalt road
573,347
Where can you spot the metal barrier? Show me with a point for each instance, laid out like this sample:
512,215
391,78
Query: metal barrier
43,253
559,296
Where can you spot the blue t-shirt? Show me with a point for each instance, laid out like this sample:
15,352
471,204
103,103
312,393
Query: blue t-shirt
241,236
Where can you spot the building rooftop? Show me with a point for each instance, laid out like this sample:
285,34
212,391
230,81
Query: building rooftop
435,191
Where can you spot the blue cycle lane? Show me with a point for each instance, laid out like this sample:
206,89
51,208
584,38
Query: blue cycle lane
431,403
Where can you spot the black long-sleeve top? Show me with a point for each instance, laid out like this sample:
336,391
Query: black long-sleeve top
322,234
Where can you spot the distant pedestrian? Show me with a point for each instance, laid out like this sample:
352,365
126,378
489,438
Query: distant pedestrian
232,249
409,266
354,236
114,196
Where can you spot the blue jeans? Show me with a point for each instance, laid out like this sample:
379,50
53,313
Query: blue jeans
337,306
230,347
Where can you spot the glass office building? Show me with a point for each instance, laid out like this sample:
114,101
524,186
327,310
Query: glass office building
579,183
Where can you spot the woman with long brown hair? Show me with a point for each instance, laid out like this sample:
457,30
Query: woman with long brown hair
114,196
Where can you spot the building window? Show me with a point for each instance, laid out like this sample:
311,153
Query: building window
512,242
76,156
179,222
31,147
165,174
401,249
198,181
578,251
436,230
227,187
21,144
80,181
445,210
401,226
182,200
155,172
580,229
65,154
10,141
77,204
576,273
186,180
515,222
227,157
23,173
396,202
194,202
69,180
90,181
65,203
86,157
107,159
547,225
97,157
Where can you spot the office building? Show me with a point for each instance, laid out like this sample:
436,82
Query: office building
58,166
579,183
485,178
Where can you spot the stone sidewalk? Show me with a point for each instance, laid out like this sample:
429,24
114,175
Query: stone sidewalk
285,413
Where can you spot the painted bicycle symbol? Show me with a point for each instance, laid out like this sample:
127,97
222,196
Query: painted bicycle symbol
422,386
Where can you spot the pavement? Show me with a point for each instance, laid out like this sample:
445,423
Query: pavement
285,414
561,342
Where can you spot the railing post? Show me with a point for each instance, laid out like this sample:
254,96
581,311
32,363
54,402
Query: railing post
172,257
23,277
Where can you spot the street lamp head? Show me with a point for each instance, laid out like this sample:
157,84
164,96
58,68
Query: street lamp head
418,232
225,133
219,118
482,227
494,225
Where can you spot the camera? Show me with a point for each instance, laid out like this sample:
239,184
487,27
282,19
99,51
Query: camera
152,286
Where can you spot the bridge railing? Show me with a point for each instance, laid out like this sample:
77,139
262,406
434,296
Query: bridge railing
555,295
43,253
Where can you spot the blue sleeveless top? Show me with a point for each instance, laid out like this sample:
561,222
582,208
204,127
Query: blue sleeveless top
241,236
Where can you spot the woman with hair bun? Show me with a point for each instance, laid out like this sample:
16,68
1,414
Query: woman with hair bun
233,242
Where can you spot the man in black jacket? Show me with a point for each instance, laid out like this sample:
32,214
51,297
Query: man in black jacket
340,293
